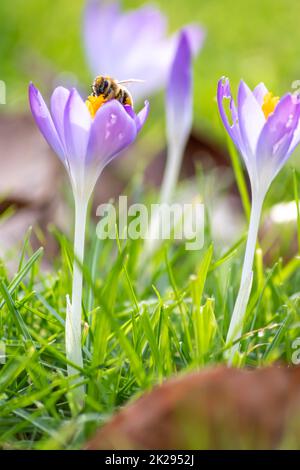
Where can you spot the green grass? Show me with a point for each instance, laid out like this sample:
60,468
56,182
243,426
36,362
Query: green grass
141,324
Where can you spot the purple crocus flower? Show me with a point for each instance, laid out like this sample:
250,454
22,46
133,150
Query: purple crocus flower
85,140
132,44
265,130
84,145
262,128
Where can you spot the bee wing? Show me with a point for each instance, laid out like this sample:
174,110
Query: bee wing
130,80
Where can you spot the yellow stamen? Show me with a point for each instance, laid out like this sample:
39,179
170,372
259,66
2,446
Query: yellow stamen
94,103
269,104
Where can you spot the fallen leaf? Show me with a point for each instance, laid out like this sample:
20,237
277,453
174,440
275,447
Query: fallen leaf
217,408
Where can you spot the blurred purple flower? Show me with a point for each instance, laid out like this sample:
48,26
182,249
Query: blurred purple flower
133,44
179,113
265,130
84,145
179,99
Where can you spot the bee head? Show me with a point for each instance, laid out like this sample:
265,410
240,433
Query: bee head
100,85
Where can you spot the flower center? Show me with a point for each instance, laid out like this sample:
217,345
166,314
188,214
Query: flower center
269,104
94,103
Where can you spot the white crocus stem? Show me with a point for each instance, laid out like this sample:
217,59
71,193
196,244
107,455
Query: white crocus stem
73,319
171,173
238,316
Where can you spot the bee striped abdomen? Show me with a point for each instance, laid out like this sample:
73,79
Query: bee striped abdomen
124,97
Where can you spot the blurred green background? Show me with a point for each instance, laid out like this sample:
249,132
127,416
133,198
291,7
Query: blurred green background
257,40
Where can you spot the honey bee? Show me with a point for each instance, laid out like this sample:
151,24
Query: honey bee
111,89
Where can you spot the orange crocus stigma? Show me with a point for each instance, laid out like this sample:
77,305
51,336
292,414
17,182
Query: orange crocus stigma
94,103
269,104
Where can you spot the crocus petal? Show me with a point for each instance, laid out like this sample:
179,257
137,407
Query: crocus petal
196,36
44,121
179,94
137,38
251,119
260,92
275,139
113,129
296,136
142,116
77,125
138,51
100,19
135,30
139,118
58,103
224,93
